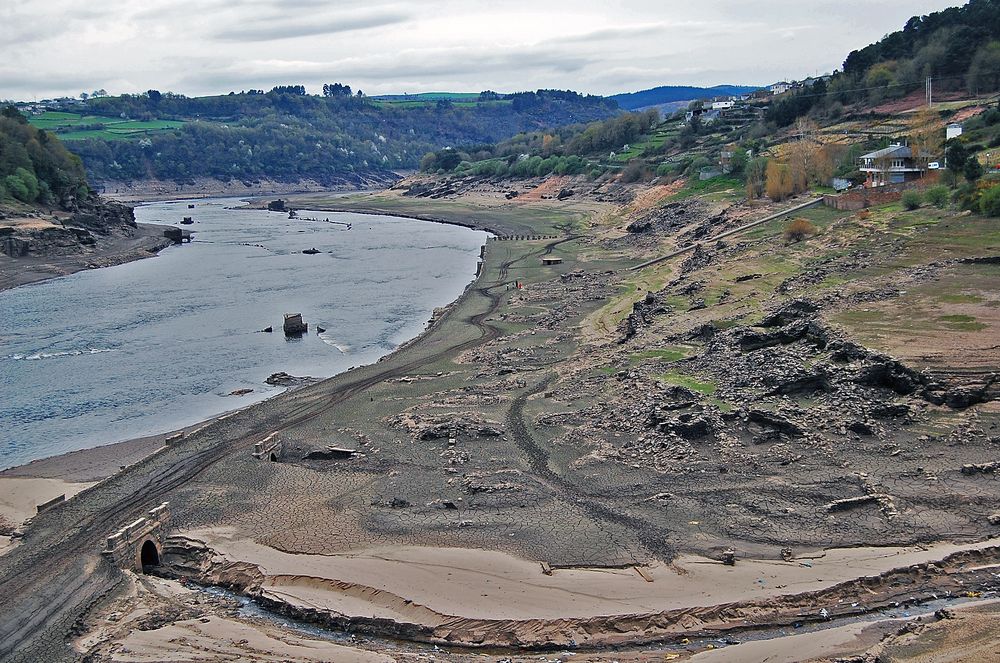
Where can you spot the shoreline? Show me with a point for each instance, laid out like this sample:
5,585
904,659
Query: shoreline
58,460
370,211
151,191
148,242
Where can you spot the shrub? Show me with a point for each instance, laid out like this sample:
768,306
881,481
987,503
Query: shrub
636,171
798,229
780,184
989,201
938,196
912,200
17,188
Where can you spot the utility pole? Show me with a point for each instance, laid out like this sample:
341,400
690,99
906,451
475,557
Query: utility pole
929,89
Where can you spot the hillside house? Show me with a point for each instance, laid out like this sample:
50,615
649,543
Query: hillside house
723,105
895,164
706,115
779,88
954,130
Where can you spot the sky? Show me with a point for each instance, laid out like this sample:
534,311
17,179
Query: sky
197,47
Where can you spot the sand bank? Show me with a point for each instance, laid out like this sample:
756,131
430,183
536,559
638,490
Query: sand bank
220,639
483,584
20,497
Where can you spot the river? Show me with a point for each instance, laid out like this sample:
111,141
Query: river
142,348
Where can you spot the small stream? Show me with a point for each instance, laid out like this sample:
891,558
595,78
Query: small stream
249,608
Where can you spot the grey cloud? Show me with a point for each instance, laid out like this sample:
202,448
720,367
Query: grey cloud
405,65
625,31
270,30
50,47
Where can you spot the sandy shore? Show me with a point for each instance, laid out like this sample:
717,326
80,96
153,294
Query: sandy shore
156,190
20,497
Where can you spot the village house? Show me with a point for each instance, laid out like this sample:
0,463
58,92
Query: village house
707,116
954,130
779,88
895,164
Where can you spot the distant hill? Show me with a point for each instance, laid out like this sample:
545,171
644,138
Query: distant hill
289,136
666,94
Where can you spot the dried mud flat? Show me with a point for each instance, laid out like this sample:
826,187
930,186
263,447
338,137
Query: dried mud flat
572,463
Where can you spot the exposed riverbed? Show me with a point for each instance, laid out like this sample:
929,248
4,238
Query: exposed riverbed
149,346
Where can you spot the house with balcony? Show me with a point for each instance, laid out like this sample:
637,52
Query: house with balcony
895,164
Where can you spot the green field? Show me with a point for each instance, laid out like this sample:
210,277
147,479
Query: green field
458,99
74,126
428,96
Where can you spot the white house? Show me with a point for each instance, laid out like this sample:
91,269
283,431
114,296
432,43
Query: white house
722,105
779,88
954,130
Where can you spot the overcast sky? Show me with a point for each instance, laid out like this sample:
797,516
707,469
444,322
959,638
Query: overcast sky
195,47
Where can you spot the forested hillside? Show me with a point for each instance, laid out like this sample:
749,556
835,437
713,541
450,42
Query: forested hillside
959,48
559,150
35,167
288,135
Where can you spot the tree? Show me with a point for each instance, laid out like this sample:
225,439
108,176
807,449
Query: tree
23,184
738,162
926,136
780,184
956,154
12,113
154,96
972,170
938,196
989,202
336,90
756,177
984,72
298,90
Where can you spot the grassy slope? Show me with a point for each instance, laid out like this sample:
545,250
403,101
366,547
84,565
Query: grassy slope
69,126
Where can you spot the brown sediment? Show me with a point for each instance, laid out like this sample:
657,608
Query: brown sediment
206,187
725,416
487,599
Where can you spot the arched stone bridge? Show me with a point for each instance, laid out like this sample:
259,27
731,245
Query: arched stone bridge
139,544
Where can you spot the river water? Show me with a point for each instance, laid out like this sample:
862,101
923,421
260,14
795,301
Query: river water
111,354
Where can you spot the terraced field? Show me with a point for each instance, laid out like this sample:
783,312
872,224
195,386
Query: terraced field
74,126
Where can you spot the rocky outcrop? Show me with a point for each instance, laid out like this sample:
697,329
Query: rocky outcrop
642,314
282,379
53,235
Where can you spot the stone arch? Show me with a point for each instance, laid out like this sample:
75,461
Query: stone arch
148,555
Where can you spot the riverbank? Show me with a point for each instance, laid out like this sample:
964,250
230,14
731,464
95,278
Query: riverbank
160,190
115,249
505,439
